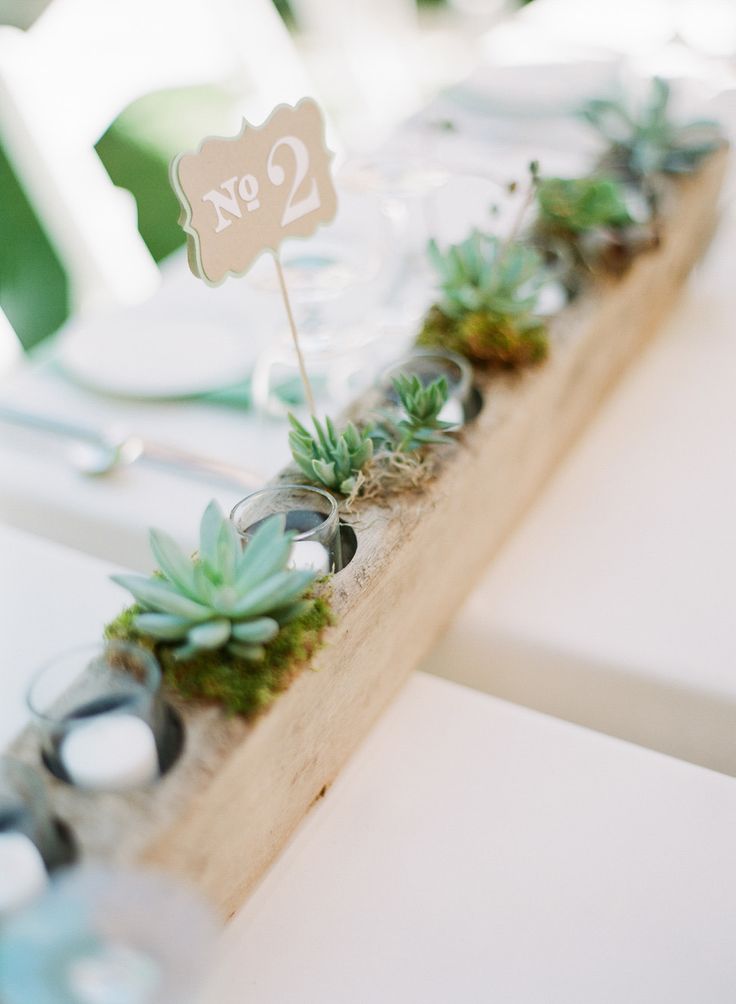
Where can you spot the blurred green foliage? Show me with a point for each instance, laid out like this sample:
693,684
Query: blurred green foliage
33,286
136,151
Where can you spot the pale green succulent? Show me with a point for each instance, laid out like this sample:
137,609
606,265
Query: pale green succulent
647,141
421,406
331,459
489,294
483,274
225,597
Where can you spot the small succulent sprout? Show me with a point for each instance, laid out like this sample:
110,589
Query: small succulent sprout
647,141
227,596
489,294
421,406
330,458
575,205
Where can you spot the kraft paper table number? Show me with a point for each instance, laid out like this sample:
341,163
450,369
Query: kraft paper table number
244,195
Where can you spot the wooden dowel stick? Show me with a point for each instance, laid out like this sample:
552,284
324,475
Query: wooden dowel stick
300,358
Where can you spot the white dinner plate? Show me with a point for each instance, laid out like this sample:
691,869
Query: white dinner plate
128,356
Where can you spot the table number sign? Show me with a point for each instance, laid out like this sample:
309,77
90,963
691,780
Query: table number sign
244,195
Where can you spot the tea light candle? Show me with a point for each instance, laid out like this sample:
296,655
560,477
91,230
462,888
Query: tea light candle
22,871
551,299
452,412
309,555
110,753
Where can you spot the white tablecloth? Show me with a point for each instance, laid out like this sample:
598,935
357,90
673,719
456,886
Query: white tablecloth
613,603
51,599
474,851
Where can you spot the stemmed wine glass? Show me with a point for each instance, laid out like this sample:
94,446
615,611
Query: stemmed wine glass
334,282
406,183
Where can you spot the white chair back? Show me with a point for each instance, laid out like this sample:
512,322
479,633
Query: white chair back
66,79
372,47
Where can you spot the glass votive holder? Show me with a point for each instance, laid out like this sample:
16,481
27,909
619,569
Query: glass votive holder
560,271
108,936
103,722
429,365
310,512
32,841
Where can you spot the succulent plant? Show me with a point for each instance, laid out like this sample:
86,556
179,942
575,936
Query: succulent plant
589,220
647,142
331,459
225,597
420,425
575,205
489,292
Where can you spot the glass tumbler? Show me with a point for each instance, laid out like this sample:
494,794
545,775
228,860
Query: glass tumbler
32,841
103,723
336,284
311,512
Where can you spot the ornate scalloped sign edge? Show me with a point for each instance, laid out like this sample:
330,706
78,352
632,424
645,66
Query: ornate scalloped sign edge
243,195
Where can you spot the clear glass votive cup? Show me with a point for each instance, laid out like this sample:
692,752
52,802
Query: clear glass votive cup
428,365
104,725
311,512
109,936
32,841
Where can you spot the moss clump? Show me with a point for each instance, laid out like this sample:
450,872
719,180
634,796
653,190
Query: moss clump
503,342
241,686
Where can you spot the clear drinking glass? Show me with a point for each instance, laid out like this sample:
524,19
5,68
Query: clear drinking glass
103,936
311,512
32,841
407,184
335,282
428,365
103,723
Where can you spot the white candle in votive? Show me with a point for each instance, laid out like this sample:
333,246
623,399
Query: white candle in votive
22,871
452,412
110,753
309,555
551,299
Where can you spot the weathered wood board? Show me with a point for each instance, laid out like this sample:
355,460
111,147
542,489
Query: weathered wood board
222,815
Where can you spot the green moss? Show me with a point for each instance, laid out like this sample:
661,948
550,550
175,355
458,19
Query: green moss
241,686
486,338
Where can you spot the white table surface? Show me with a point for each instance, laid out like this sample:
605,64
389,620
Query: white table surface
476,851
613,603
51,599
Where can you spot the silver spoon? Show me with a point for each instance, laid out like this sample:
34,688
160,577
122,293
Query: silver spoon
96,454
